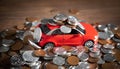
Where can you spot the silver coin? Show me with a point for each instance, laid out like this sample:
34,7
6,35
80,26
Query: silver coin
94,55
19,34
100,61
106,50
60,17
103,35
116,39
102,27
28,56
37,34
108,46
110,33
4,49
98,46
65,29
6,42
118,45
112,26
59,60
35,65
16,60
60,51
83,65
109,57
83,56
16,67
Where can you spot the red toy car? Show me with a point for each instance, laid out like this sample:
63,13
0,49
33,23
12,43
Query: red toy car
52,36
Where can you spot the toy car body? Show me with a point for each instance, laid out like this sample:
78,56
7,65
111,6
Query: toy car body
51,36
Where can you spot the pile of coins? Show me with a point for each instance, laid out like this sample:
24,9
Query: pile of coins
19,50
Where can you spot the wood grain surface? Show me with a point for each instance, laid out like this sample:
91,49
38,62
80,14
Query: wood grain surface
13,12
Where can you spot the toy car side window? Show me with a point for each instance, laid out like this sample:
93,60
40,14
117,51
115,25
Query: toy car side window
82,30
57,32
74,32
44,28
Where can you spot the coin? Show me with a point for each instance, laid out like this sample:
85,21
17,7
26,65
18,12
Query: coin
102,28
116,39
39,52
108,46
31,19
109,66
112,26
26,38
59,60
102,41
65,29
109,58
37,34
82,65
83,56
103,35
67,48
17,46
118,45
93,60
19,34
94,54
59,51
93,65
117,35
27,47
16,60
12,53
72,60
20,27
4,59
106,50
28,56
4,48
6,42
100,61
50,66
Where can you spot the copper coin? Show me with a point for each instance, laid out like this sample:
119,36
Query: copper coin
11,53
73,60
20,27
31,19
27,47
108,66
39,52
93,65
50,66
67,48
4,59
117,35
25,67
26,38
18,45
117,54
102,42
10,32
93,60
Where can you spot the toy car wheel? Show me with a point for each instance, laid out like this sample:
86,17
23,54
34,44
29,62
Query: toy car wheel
49,45
89,44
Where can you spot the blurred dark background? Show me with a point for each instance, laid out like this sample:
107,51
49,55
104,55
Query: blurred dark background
13,12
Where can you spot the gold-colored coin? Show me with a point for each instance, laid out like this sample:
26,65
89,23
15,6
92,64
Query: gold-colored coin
39,52
17,46
92,60
73,60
